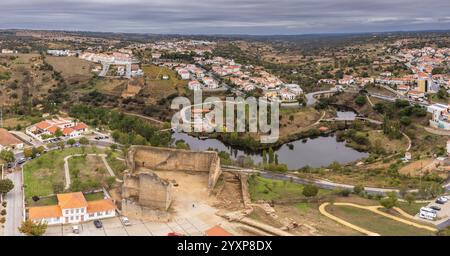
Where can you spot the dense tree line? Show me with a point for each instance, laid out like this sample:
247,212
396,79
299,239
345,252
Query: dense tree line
126,129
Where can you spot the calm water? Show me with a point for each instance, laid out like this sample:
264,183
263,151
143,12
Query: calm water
315,152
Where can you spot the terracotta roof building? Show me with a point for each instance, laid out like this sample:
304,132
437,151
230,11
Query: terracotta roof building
8,141
73,208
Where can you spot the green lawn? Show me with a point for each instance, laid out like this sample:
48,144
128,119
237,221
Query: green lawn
375,223
117,165
412,208
94,196
53,200
45,173
267,189
43,201
87,173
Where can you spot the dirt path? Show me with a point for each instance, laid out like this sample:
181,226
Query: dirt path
437,131
409,141
345,223
67,171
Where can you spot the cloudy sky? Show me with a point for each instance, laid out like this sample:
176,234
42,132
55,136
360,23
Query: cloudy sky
226,16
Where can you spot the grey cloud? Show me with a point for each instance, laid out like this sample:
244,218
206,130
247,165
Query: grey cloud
232,16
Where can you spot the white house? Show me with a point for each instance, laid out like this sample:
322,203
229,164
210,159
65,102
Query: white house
72,208
286,95
184,74
48,128
194,85
294,88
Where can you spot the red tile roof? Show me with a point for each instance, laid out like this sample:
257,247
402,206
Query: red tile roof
43,125
217,231
40,212
101,205
67,130
7,139
80,126
71,200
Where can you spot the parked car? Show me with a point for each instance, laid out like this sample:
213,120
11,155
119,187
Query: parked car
125,221
75,229
435,207
21,160
98,224
440,201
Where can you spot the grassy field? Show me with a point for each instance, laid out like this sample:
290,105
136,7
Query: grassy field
156,87
374,222
89,171
42,174
73,69
22,74
297,120
390,145
111,86
412,208
117,165
52,200
267,189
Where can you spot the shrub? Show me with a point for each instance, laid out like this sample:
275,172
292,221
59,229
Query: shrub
344,192
310,190
358,189
3,212
2,220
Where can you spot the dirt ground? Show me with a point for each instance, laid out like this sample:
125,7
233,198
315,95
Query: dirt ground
73,69
416,168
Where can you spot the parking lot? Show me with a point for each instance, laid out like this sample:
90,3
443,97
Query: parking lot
114,227
442,215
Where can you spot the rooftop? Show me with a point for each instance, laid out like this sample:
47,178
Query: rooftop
7,138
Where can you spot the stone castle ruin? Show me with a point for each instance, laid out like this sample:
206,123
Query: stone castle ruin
147,196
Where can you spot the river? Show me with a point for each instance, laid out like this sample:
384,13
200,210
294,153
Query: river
314,152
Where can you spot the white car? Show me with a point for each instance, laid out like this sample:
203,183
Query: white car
443,198
125,221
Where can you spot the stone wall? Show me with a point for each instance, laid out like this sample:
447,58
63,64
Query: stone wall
147,189
134,210
175,159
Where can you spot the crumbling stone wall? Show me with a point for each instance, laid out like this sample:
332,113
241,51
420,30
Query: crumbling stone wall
147,189
175,159
132,209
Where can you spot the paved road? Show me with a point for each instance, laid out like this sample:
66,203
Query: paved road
14,209
104,69
310,97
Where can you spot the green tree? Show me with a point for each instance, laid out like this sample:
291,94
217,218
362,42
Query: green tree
360,100
6,185
28,152
84,141
271,156
390,201
405,120
310,190
71,142
264,156
31,228
58,133
410,198
7,155
358,189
